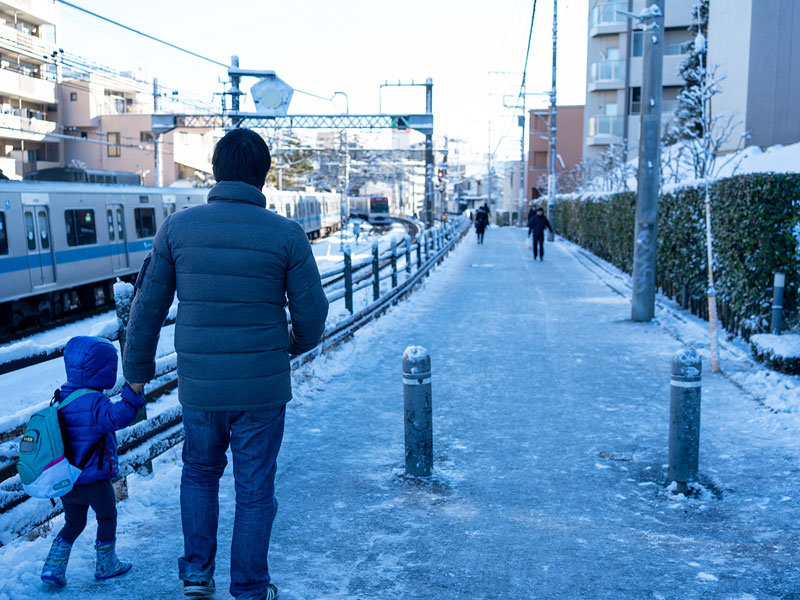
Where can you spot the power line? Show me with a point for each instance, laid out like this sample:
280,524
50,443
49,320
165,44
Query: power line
143,34
527,53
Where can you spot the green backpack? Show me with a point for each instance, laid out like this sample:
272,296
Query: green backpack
43,467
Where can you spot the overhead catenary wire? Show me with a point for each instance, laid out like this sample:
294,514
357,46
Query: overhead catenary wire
143,34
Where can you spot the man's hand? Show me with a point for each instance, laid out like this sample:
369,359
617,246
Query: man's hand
136,387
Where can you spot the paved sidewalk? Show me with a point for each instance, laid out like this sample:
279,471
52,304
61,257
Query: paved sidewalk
550,435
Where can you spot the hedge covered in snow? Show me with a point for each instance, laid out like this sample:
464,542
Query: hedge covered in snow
780,352
755,220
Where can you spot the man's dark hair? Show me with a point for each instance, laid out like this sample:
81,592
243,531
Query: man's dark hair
242,155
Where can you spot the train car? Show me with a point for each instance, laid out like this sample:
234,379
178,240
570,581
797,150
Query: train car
63,244
319,213
374,209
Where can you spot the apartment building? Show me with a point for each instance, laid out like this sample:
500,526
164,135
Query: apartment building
755,44
614,70
110,117
569,148
28,88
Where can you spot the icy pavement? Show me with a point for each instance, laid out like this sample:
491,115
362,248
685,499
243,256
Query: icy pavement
550,437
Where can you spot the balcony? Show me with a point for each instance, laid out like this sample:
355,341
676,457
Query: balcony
607,75
604,19
22,42
19,125
14,83
605,129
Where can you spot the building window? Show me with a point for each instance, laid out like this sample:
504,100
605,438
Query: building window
3,234
114,149
636,100
145,136
73,96
637,45
84,135
81,230
540,160
145,222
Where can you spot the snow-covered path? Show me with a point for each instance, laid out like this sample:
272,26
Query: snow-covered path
550,436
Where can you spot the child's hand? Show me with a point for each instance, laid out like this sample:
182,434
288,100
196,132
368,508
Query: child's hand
136,387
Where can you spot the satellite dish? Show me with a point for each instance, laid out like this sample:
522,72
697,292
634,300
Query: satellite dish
271,96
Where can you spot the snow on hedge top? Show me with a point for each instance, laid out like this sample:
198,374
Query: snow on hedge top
786,346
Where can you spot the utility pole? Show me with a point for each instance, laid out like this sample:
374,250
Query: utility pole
551,187
646,240
489,169
429,156
159,166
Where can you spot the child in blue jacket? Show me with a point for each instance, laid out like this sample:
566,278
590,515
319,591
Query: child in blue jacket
88,425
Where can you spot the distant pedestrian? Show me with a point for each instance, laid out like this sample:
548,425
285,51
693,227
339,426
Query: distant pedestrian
537,223
234,265
481,221
488,212
356,229
88,423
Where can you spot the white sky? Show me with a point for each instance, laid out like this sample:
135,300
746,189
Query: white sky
323,46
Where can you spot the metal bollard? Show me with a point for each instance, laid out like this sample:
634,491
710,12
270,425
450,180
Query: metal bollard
418,409
426,237
684,418
777,303
348,280
408,254
376,272
394,263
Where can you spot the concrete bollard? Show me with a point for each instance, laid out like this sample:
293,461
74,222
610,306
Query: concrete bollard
684,418
418,409
777,303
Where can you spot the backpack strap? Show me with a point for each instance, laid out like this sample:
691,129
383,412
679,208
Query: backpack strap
87,457
73,396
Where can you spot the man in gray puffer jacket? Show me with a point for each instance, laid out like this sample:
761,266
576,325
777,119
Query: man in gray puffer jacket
233,265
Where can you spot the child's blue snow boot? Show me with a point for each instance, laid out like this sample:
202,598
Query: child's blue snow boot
54,571
108,565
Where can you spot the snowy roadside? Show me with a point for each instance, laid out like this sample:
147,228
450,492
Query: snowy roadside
777,391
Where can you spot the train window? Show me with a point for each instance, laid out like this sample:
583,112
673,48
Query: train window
44,228
288,210
81,230
145,222
169,208
3,234
110,217
120,226
30,233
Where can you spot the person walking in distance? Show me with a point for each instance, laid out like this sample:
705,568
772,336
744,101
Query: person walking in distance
233,265
481,221
537,222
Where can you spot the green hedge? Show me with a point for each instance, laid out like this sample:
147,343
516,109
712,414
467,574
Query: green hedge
755,219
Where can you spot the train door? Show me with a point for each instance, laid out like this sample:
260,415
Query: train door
41,265
117,243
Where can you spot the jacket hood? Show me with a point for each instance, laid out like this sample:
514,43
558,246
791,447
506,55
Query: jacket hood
237,191
91,362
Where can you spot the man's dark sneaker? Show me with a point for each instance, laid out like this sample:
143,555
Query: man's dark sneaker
199,589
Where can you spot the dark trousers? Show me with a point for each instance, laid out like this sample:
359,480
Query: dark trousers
254,438
538,246
100,496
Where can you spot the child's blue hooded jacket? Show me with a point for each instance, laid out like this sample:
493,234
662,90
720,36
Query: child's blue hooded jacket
92,363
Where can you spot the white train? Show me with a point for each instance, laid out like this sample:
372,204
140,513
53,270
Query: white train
62,245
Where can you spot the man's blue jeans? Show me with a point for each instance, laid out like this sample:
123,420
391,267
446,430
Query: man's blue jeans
255,439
